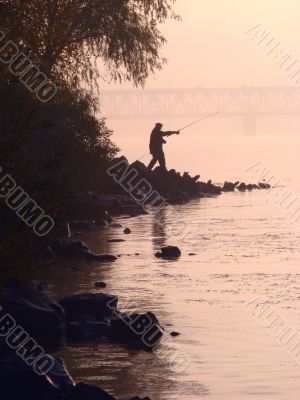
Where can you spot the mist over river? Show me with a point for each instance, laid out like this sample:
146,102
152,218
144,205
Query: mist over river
246,248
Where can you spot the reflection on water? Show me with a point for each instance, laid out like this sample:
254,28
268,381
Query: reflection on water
244,248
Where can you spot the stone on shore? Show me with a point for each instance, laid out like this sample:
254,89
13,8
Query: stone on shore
85,331
170,252
99,305
41,316
137,330
75,248
20,381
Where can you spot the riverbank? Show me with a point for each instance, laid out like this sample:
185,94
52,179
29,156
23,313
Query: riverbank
78,324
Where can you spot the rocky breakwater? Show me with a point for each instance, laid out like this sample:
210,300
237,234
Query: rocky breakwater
172,186
31,324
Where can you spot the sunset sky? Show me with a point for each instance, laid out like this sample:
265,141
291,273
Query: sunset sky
209,48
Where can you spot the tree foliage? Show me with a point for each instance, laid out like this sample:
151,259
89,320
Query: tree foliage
65,37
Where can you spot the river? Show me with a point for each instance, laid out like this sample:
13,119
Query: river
247,253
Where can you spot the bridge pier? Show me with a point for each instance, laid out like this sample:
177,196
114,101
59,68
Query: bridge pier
249,124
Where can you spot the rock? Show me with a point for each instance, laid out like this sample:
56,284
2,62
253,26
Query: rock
249,187
127,231
137,254
29,305
99,305
138,330
83,331
192,254
132,210
264,185
19,381
174,334
83,391
116,225
115,241
242,187
140,398
100,257
100,285
228,187
158,254
170,252
72,247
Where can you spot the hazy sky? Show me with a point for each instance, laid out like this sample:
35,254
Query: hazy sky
209,48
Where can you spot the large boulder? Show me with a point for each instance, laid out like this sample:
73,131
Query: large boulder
84,331
98,305
138,330
20,381
35,311
72,247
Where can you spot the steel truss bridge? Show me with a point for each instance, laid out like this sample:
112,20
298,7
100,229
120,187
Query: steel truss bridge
248,103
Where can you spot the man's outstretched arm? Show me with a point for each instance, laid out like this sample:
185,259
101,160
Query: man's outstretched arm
169,133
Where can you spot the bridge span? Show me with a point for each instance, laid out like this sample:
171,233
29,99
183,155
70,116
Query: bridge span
249,103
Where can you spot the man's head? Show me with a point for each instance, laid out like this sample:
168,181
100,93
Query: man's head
159,125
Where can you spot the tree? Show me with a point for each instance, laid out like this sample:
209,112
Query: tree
65,37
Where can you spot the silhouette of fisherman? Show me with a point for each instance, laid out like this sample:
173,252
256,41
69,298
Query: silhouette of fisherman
156,145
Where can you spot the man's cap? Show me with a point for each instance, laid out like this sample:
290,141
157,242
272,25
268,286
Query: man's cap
159,125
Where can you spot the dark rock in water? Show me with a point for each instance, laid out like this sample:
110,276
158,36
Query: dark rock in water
100,285
72,247
99,305
242,187
140,398
236,184
249,187
37,313
81,318
115,241
83,331
228,187
132,210
138,330
263,185
100,257
158,254
116,225
192,254
19,381
170,252
127,231
83,391
137,254
174,334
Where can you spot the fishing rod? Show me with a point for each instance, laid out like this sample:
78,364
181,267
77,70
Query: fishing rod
198,120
